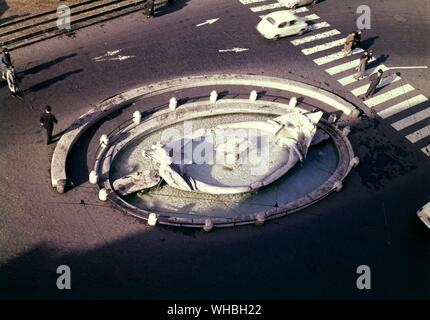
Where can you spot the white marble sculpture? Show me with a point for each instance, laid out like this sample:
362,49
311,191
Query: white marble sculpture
231,167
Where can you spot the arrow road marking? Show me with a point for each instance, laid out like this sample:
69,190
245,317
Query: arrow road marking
110,56
119,58
234,50
210,21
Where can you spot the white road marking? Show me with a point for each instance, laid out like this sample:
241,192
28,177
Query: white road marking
419,135
350,79
319,25
413,67
267,7
300,10
426,150
250,1
389,95
234,50
362,90
109,56
112,53
311,17
344,66
404,105
119,58
334,57
209,21
295,11
412,119
323,47
399,125
315,37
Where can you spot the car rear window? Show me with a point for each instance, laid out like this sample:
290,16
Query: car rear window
271,20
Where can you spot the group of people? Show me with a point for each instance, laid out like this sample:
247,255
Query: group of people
8,72
352,41
47,119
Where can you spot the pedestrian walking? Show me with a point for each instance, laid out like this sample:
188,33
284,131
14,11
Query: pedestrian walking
357,40
47,120
375,79
349,41
364,60
12,81
5,62
149,8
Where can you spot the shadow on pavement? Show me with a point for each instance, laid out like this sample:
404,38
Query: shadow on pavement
375,63
151,264
76,165
3,8
167,9
380,161
47,83
46,65
84,149
368,43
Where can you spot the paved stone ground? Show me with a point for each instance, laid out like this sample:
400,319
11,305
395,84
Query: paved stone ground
10,9
313,254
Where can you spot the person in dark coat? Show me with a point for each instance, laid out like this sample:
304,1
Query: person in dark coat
5,62
357,40
375,79
149,8
47,120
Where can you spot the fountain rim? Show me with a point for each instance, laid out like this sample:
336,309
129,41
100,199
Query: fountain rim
106,156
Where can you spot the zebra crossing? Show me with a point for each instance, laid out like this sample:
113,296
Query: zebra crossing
394,96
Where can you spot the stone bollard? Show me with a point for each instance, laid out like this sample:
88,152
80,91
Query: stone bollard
259,219
104,140
94,178
355,161
346,131
355,113
173,103
61,185
337,186
293,102
214,97
253,96
137,117
152,219
103,194
208,225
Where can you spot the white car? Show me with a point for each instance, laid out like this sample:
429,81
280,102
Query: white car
281,24
424,214
294,4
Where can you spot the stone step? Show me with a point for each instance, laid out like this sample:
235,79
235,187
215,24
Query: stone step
88,16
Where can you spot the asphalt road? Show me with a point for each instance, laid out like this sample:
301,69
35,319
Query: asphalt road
312,254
